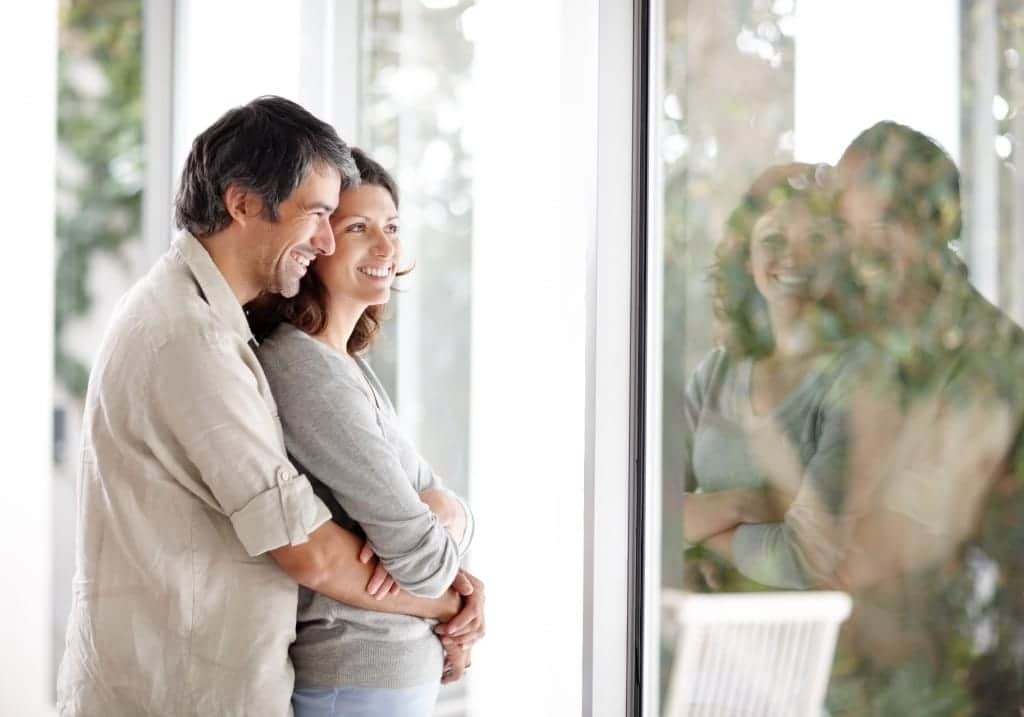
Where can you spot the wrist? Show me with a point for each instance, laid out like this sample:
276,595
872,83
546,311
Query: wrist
448,606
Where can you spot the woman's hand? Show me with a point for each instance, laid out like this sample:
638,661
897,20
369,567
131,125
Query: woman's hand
381,583
468,626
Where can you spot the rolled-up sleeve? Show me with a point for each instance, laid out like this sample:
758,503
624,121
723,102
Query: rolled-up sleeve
223,439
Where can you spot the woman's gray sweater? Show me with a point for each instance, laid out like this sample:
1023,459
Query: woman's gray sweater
342,432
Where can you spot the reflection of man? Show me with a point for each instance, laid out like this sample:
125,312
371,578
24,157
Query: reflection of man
933,470
193,527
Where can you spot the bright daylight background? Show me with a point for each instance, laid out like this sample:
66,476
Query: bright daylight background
484,355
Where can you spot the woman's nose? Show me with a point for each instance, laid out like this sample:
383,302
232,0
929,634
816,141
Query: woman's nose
383,245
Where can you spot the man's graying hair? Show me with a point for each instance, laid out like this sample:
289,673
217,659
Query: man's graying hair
267,147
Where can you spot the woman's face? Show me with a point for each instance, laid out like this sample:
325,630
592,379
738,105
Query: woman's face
362,267
792,255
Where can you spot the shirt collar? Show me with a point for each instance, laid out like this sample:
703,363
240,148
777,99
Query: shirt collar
213,285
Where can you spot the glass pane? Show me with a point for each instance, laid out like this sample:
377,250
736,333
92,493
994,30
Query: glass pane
483,350
843,381
491,255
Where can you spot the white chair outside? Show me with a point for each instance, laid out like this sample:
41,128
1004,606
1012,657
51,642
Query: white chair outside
751,654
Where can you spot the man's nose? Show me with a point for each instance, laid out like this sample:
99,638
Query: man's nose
323,239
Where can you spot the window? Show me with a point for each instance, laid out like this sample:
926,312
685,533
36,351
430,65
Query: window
836,346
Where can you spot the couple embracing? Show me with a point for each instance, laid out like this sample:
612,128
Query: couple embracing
255,534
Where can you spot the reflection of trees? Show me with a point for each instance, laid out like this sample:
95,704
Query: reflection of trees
729,72
728,115
99,169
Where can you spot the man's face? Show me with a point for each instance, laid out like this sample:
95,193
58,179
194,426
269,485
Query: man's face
284,249
883,251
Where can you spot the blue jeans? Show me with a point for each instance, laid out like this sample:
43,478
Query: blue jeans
365,701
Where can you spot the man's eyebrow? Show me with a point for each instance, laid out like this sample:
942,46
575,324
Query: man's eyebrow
321,205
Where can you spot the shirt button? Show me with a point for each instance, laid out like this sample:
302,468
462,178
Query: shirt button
283,475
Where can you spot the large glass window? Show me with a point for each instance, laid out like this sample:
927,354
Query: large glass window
843,232
483,352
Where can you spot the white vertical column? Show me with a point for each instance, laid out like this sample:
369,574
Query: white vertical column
158,40
316,71
606,532
981,223
532,123
1017,310
228,52
346,54
28,143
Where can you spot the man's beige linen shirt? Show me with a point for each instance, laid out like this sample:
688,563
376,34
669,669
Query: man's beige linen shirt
184,486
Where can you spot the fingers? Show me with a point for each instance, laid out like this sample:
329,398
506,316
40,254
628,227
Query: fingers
467,625
462,584
381,583
366,553
456,661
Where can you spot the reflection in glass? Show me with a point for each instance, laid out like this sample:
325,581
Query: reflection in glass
844,392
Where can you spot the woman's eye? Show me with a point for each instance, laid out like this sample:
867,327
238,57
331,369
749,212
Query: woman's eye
391,228
360,227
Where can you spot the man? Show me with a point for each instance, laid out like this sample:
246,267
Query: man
193,527
934,492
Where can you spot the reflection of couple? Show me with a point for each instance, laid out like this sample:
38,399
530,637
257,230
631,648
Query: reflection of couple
857,427
195,527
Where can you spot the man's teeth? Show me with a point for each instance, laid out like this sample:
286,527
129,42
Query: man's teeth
302,259
379,272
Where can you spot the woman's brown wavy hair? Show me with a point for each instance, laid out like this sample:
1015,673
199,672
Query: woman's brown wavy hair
307,310
742,323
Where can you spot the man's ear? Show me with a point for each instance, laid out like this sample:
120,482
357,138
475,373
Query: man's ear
242,204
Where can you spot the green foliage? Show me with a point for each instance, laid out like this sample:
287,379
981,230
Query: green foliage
99,172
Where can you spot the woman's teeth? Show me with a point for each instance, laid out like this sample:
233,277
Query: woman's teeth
791,279
377,272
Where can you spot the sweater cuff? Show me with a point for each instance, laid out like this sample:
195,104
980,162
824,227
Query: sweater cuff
470,531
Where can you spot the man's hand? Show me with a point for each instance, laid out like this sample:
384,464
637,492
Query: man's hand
381,583
468,626
456,661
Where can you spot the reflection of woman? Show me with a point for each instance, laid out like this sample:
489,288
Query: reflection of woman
341,428
761,409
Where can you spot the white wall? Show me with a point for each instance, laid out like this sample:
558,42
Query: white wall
28,136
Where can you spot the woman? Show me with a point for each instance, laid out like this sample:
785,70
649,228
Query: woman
341,429
765,434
